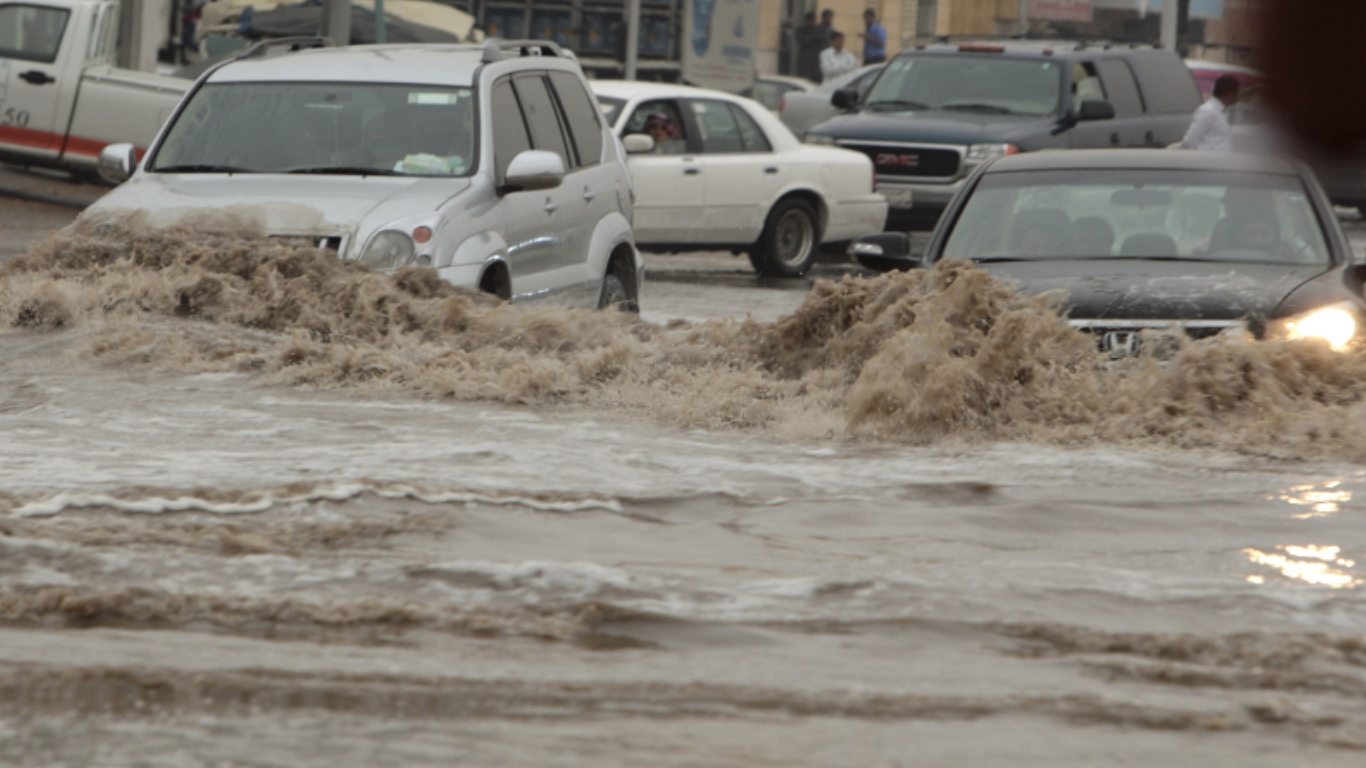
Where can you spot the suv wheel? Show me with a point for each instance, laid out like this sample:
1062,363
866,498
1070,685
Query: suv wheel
791,237
614,294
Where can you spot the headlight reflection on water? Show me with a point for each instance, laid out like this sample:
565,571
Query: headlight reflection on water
1310,563
1322,500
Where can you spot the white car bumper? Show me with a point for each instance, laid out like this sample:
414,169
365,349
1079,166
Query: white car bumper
853,218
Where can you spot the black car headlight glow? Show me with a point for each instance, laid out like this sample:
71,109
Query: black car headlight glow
388,250
1335,324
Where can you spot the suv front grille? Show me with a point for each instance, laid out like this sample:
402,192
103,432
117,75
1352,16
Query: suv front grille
908,160
1122,338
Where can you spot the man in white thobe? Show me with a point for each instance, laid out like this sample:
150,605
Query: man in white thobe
835,61
1210,129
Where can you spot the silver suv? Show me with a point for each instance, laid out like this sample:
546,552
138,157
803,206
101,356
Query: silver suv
490,164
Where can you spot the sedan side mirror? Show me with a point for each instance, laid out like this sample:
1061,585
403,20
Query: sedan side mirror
884,252
534,169
1095,109
117,162
638,143
844,98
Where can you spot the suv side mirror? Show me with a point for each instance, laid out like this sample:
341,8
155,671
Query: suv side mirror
884,251
534,169
117,162
844,98
1095,109
638,143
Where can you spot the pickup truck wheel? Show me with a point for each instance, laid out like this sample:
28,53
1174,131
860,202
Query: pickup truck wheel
791,237
614,294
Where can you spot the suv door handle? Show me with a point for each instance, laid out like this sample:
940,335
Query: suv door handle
771,169
691,171
1114,139
550,205
588,195
1148,137
36,77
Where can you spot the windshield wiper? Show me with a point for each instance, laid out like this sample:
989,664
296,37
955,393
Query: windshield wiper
988,108
891,104
346,171
201,169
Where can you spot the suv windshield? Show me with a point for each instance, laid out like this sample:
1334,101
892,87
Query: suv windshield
336,128
1171,215
977,84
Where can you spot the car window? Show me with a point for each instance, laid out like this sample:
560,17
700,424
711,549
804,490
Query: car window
750,133
1201,216
324,127
717,127
1086,85
1168,87
864,82
541,118
511,136
662,121
611,108
1119,83
971,84
31,33
582,116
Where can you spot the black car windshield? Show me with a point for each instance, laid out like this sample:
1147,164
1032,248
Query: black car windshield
611,108
985,84
1135,214
323,128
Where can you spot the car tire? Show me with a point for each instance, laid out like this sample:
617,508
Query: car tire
614,294
791,238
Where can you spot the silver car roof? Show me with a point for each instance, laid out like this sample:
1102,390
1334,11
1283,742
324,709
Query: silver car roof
439,64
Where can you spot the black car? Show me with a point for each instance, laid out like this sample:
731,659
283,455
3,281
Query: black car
1207,242
938,111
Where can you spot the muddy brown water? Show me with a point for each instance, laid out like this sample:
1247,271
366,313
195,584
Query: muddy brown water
259,508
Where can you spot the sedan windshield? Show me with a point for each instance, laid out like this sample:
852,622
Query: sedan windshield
975,84
323,128
1166,215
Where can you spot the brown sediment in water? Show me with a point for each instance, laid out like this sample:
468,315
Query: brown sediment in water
949,354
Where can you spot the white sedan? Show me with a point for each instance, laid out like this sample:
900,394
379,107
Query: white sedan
714,171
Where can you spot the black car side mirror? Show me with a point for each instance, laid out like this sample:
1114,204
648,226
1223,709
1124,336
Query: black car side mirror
844,98
1095,109
884,252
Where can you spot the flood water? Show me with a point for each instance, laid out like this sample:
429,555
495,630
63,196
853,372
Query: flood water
405,527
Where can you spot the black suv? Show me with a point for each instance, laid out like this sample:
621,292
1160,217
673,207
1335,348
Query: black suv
938,111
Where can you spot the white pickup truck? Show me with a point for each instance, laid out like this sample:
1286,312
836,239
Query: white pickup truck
62,100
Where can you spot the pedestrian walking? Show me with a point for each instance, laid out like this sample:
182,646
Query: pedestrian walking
811,40
874,39
1210,128
835,61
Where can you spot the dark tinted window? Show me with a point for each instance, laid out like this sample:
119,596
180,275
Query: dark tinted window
750,133
541,118
1119,83
509,131
582,114
719,132
1167,85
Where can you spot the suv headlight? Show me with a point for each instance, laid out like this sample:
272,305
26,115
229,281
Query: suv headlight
819,140
980,153
388,250
1335,324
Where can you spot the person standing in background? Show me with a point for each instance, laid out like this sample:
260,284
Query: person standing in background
1210,129
874,39
835,61
811,40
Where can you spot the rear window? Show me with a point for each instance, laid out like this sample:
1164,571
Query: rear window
1187,215
1168,87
